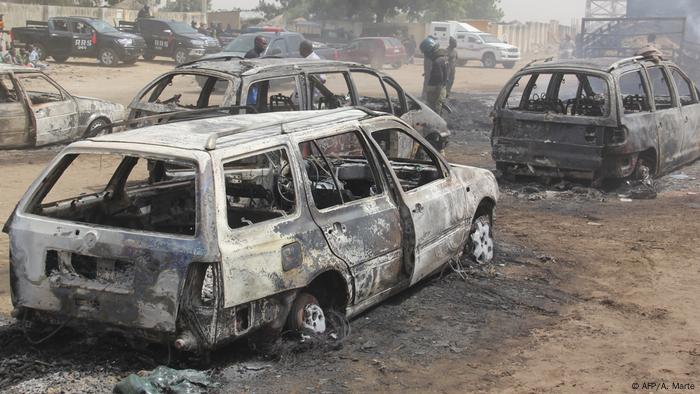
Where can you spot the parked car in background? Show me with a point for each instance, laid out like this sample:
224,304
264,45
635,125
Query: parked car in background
194,234
279,85
37,111
66,37
597,119
375,51
171,38
475,45
279,44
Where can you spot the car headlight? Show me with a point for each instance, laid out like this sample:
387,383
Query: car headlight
125,42
197,43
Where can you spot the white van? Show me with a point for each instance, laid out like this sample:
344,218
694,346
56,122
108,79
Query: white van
473,44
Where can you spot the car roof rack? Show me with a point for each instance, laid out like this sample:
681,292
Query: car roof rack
542,60
172,117
213,58
620,63
213,138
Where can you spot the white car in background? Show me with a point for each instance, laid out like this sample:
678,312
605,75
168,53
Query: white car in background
473,44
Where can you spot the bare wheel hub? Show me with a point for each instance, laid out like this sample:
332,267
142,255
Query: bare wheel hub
313,319
482,242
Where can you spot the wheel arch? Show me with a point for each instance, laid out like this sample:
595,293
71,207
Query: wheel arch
486,206
332,289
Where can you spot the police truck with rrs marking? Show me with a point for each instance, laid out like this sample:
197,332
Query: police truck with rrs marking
65,37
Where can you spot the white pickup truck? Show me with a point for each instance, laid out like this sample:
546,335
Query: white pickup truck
473,44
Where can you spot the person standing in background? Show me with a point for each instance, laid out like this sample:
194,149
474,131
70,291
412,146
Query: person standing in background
451,65
435,78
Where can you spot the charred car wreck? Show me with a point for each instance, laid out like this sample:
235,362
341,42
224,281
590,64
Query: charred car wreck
596,119
197,233
281,85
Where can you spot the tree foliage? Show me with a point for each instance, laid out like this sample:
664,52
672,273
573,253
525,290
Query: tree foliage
380,10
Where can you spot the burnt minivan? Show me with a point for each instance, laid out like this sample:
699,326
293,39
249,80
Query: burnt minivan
596,119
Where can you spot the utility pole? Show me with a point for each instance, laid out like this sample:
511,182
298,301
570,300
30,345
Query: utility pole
606,8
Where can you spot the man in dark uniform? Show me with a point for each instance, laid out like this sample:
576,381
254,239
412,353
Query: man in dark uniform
436,73
258,49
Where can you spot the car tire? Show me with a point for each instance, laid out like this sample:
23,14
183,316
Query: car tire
462,62
108,57
397,65
480,241
92,131
489,60
508,65
306,315
376,63
131,60
180,56
60,58
148,56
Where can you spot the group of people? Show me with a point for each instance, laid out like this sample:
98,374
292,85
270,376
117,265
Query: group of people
28,57
213,30
439,70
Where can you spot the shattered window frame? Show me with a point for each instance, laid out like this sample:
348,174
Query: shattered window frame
61,163
293,166
645,87
675,71
245,92
379,181
146,97
669,85
544,104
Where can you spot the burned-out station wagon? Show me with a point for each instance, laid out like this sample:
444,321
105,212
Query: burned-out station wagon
596,119
197,233
281,85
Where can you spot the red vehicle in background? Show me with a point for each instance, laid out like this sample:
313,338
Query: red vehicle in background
376,51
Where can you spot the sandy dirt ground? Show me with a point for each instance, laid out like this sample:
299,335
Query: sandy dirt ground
587,293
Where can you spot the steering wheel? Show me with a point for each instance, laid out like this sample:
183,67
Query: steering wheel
175,99
285,186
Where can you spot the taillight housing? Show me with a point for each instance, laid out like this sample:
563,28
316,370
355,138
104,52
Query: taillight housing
170,39
93,39
336,54
616,136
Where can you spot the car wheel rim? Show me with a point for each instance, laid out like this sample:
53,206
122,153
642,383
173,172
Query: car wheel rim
313,319
96,125
482,242
107,57
180,57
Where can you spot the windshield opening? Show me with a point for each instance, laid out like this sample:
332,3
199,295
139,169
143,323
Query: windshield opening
102,26
181,28
241,44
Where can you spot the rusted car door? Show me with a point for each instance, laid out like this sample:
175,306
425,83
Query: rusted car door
690,111
436,201
14,127
351,203
668,118
54,111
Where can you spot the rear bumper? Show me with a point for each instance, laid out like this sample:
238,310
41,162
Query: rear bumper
537,158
